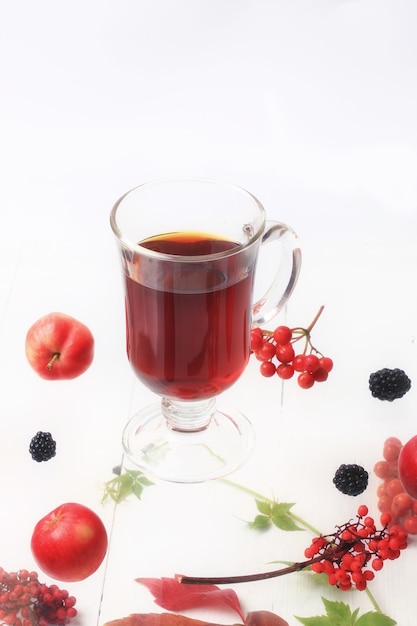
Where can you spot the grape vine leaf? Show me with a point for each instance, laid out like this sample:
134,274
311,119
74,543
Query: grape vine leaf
130,482
172,595
339,614
276,513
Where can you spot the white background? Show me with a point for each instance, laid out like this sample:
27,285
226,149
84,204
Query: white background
309,104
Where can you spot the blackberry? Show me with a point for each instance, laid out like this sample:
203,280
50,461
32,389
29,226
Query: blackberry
389,384
42,447
351,479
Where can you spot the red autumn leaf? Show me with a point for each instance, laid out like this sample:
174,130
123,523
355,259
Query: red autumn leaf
256,618
158,619
172,595
264,618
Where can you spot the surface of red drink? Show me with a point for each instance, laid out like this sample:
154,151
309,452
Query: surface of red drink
188,322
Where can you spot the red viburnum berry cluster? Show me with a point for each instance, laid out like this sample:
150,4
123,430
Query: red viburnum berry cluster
346,555
392,497
24,601
276,351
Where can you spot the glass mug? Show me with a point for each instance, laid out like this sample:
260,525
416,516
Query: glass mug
188,249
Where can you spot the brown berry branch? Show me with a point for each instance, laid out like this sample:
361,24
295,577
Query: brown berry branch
246,578
349,557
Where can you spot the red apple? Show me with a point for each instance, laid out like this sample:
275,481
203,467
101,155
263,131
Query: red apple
59,347
70,543
407,467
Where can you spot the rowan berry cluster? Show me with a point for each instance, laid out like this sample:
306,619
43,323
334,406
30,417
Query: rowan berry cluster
276,351
24,601
351,556
392,497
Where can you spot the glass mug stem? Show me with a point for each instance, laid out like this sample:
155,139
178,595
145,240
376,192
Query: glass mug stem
190,416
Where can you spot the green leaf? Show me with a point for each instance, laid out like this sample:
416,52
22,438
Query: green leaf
281,517
282,507
144,480
318,620
131,482
277,513
375,619
260,522
137,490
264,507
339,614
285,522
124,490
321,580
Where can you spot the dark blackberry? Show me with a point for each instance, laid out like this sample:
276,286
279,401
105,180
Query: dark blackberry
42,447
389,384
351,479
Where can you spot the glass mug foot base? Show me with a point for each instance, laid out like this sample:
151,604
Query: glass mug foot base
208,453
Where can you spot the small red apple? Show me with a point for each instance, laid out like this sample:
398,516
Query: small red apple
70,543
407,466
59,347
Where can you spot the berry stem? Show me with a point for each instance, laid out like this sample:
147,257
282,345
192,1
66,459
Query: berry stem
306,332
372,600
295,567
32,616
259,496
245,578
313,323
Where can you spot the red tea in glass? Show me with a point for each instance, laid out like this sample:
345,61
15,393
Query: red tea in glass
188,332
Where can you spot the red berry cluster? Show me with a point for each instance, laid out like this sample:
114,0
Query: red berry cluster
345,555
392,497
276,351
24,601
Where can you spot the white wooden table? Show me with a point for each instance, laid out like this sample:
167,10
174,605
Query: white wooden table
311,106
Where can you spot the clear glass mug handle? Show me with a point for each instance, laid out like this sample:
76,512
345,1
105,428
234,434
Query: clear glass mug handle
285,279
